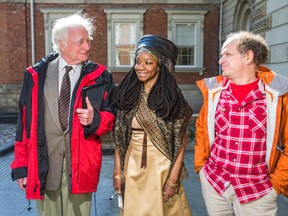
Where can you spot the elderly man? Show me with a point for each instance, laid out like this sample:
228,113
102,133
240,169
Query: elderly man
237,132
58,147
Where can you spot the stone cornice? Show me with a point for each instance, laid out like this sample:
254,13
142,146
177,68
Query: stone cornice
114,1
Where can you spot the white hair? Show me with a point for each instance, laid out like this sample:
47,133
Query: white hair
61,26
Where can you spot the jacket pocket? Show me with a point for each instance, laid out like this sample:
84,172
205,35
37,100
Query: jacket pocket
89,164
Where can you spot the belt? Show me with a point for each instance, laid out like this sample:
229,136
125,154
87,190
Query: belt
144,149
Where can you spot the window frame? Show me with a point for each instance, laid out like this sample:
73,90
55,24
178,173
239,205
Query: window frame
194,17
129,15
194,44
50,16
113,43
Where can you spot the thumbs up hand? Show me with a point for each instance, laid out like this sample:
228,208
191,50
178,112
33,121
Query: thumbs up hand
85,116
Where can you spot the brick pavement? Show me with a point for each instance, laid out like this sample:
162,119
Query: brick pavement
7,133
13,203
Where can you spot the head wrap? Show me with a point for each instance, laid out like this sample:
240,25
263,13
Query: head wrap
162,45
165,50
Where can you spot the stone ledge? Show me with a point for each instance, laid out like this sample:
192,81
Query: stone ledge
8,118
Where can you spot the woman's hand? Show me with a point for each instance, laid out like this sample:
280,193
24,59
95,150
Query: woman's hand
172,183
168,192
118,183
118,179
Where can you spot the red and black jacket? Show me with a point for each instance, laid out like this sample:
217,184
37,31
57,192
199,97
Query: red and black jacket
31,157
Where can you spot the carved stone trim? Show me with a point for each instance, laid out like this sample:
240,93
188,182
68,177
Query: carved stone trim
260,11
262,25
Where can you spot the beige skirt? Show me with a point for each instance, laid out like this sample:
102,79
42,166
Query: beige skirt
143,187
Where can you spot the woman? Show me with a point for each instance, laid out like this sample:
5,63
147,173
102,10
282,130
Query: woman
150,133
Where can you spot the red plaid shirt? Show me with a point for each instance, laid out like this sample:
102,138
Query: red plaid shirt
238,153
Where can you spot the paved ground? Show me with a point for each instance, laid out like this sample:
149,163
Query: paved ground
13,202
7,133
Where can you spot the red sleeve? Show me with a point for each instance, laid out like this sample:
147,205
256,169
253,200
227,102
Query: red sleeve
106,123
20,162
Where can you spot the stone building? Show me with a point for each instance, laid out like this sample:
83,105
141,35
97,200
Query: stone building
192,24
266,17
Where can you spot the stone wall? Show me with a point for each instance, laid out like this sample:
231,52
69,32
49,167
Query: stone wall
269,19
9,96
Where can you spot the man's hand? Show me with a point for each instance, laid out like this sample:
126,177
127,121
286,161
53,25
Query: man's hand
85,116
22,183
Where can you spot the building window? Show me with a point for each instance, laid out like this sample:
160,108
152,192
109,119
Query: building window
125,43
50,16
186,30
185,41
125,27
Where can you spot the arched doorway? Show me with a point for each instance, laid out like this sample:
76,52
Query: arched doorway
243,16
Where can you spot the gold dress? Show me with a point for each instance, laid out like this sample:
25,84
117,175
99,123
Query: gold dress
143,186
